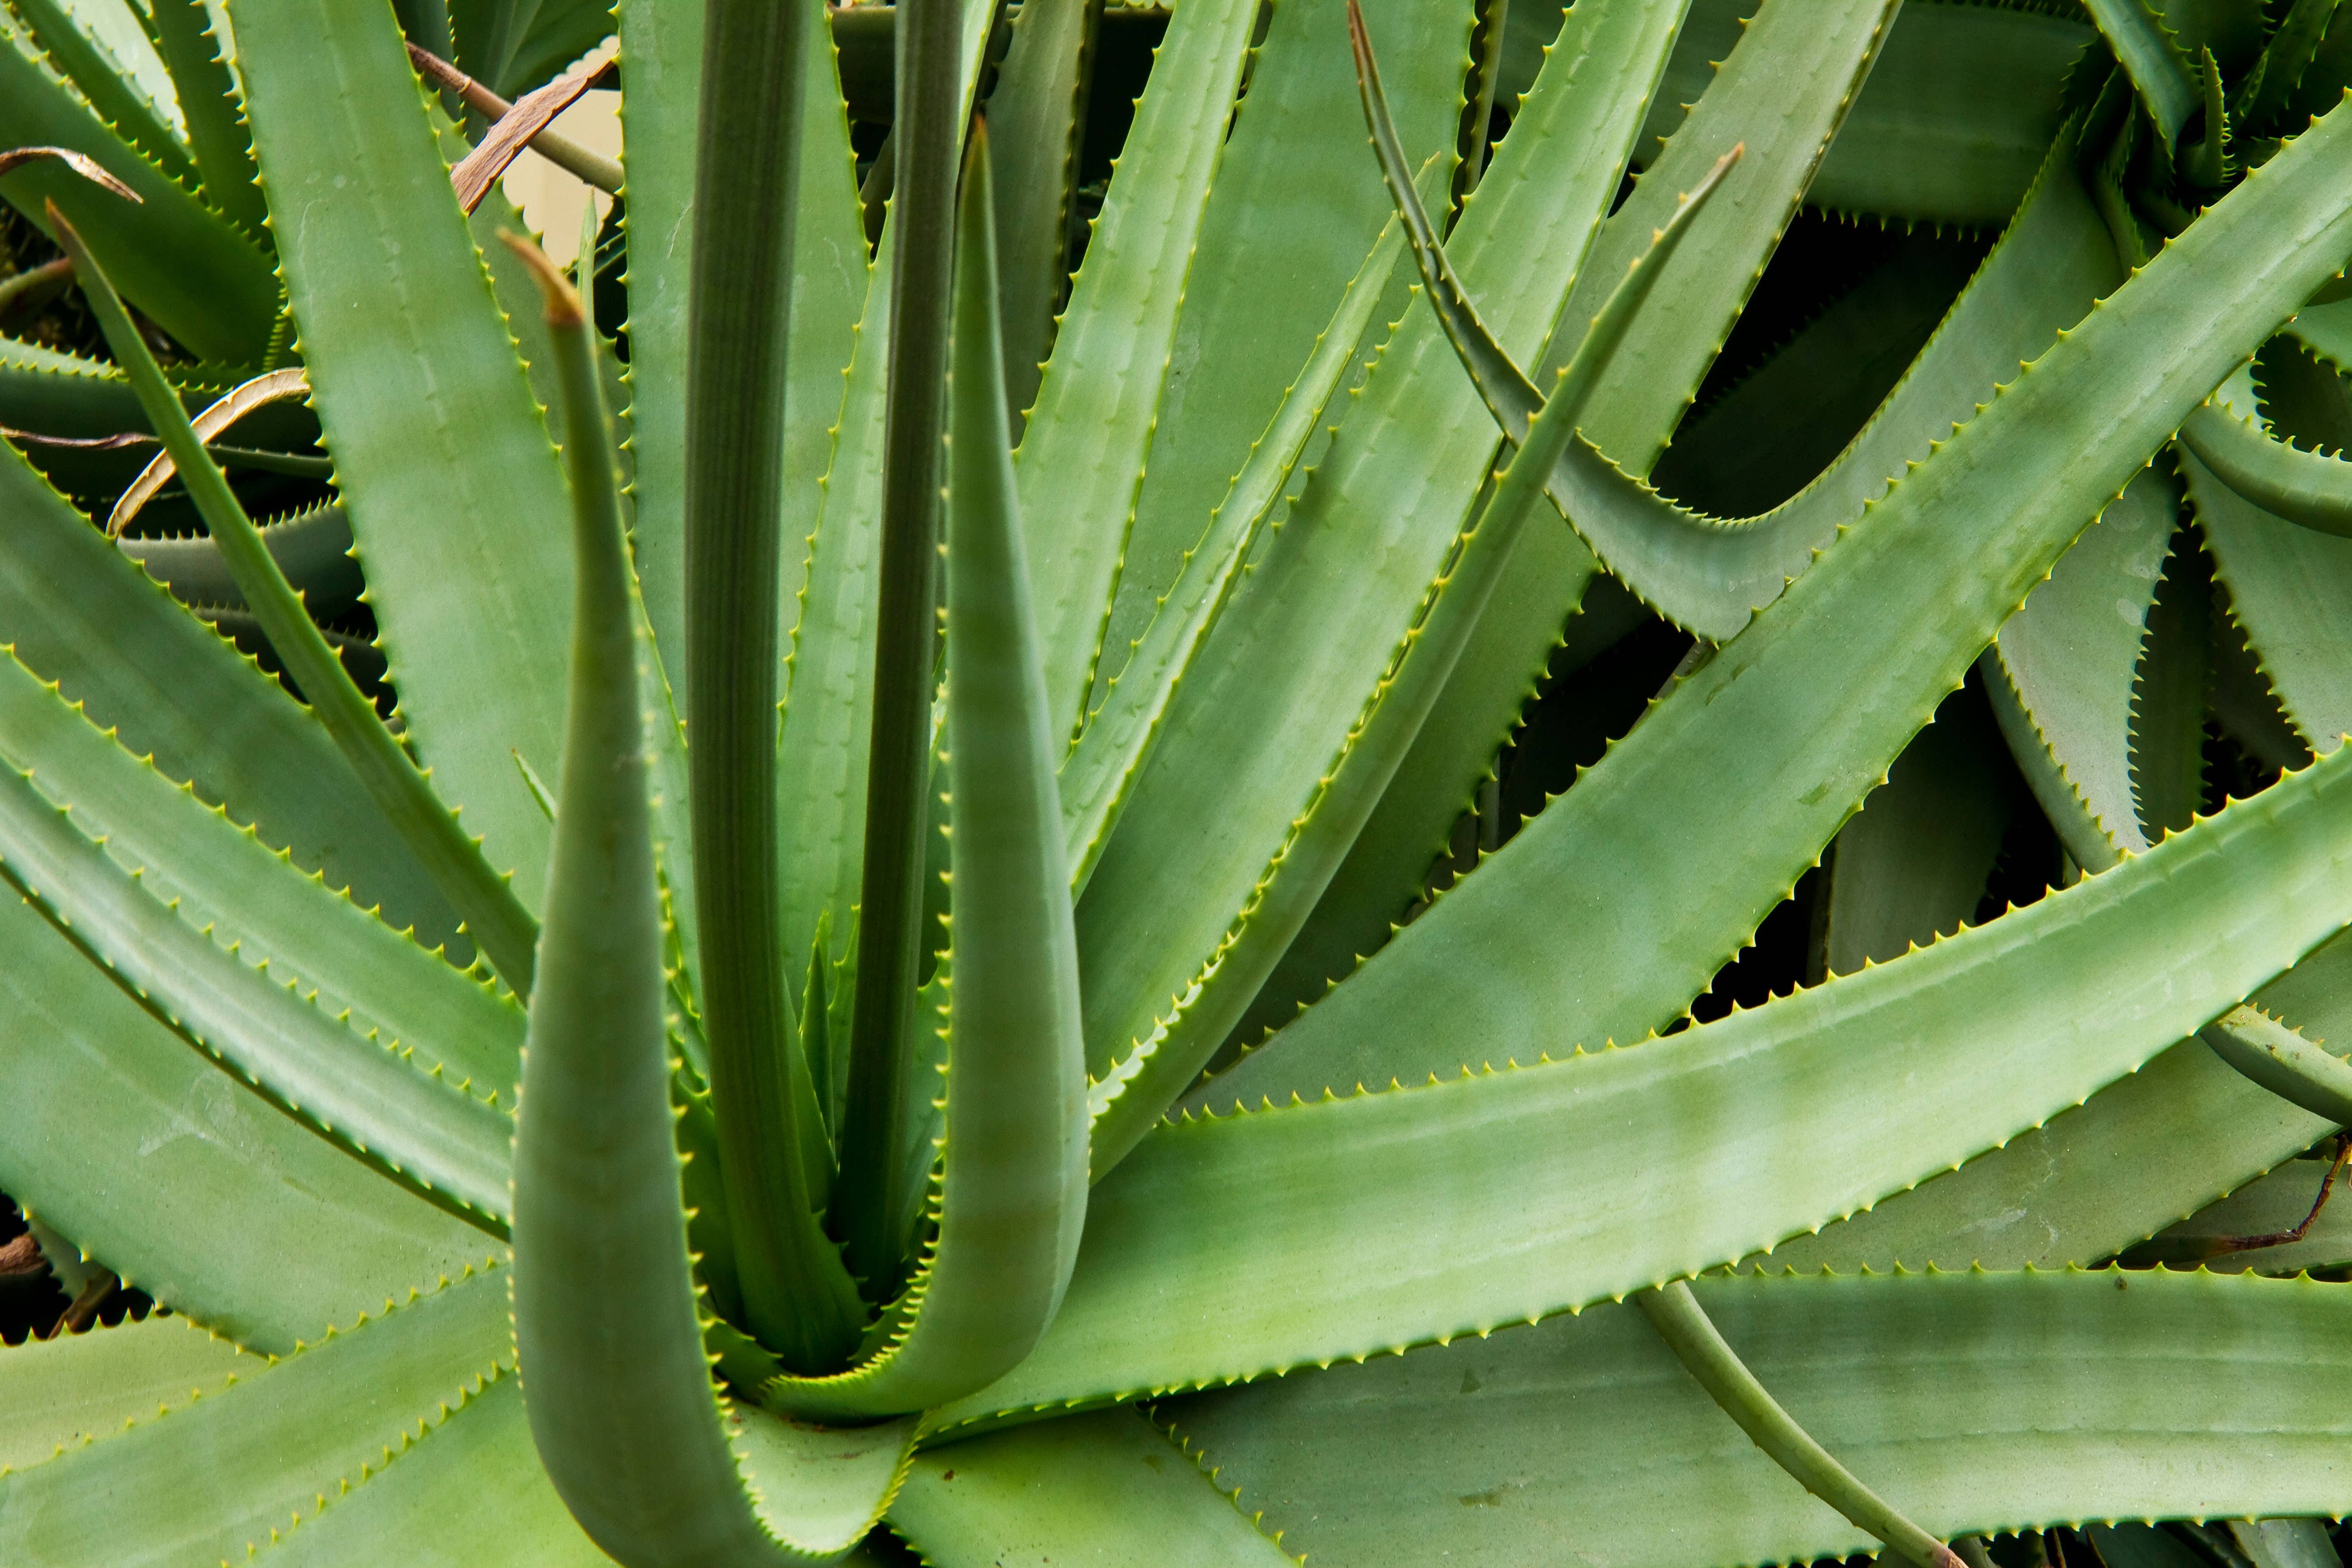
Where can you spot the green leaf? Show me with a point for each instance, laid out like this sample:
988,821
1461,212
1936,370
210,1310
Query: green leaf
1289,183
60,1393
242,1220
2285,585
105,87
223,880
2269,1205
1777,1120
1103,1486
453,489
1913,865
930,125
1012,1192
1699,1345
1710,575
386,1103
2140,1154
2283,1062
2268,87
2151,56
502,928
1952,122
2270,474
2060,677
1782,95
1083,454
1099,772
2168,694
1983,1401
1134,1093
627,1423
173,690
1779,737
211,1478
1318,617
187,39
471,1484
201,278
1038,110
311,547
828,708
663,43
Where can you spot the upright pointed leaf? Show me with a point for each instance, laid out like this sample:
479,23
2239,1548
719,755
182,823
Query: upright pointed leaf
1011,1190
628,1424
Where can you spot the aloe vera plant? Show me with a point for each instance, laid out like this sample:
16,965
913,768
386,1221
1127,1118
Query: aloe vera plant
875,875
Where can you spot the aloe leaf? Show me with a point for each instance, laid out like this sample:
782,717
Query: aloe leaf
1710,575
1699,1345
2168,694
2272,80
63,1393
375,1101
1263,683
1289,183
2061,674
2273,1205
193,270
1748,105
212,1479
925,138
2015,485
2000,1401
1105,1486
1952,123
104,84
2307,488
2140,1154
453,489
1134,1094
246,1221
1100,771
469,1483
631,1430
221,880
1085,446
502,928
173,690
2283,1062
1911,867
1875,1082
1039,112
663,43
1011,1197
312,548
2284,585
2165,81
186,38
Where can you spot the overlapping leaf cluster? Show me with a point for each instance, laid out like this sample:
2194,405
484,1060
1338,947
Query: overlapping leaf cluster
1537,838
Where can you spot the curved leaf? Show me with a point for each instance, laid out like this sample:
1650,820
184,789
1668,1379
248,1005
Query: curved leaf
1011,1190
635,1439
1698,821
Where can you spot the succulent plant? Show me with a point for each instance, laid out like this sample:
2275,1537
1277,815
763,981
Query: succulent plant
1079,1059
